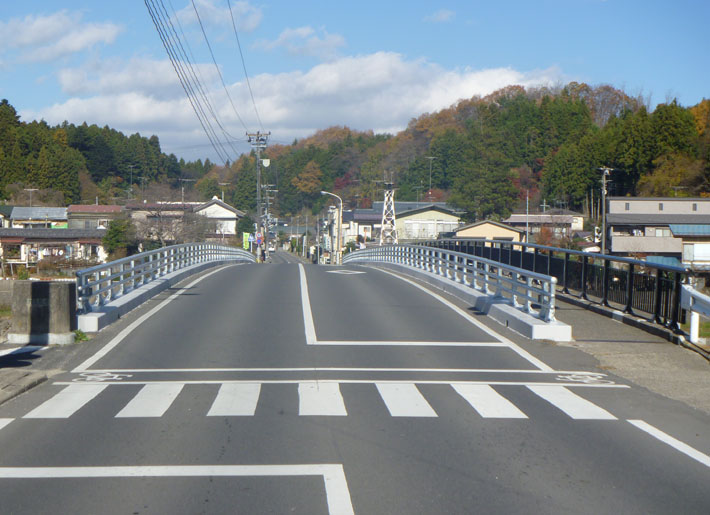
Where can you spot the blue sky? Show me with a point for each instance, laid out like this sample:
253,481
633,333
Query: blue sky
315,64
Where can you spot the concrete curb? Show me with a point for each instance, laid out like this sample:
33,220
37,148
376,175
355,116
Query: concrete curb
107,314
498,309
14,381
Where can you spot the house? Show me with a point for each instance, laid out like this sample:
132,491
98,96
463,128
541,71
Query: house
34,217
5,213
672,230
160,221
225,217
413,220
490,230
91,216
30,245
562,223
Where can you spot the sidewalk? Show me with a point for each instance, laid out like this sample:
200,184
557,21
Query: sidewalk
643,358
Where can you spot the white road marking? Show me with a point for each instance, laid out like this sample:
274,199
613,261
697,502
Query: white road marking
669,440
516,348
20,350
350,369
487,402
404,400
153,400
306,305
133,325
345,272
67,402
235,400
336,485
5,421
316,398
347,381
572,404
311,338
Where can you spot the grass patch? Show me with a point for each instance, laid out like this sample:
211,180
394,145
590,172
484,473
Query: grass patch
5,311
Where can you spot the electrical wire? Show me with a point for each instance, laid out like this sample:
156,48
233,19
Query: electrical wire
204,34
186,86
244,66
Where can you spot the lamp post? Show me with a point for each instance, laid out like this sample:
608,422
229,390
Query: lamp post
338,254
605,174
431,159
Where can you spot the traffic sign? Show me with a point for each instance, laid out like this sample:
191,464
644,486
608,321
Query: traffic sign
251,238
259,238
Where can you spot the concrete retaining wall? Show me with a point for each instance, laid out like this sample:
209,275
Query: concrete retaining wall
6,293
498,309
43,312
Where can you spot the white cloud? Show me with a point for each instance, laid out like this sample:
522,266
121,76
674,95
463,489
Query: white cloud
246,16
44,38
440,16
381,91
305,42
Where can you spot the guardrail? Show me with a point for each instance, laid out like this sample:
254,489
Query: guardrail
100,284
634,286
529,291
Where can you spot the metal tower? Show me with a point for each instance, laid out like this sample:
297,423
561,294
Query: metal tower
388,235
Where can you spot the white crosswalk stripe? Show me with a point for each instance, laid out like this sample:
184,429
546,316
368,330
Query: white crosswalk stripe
405,400
571,403
487,402
319,398
235,400
153,400
67,402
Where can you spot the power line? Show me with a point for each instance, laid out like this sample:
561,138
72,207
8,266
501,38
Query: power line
184,80
221,78
246,75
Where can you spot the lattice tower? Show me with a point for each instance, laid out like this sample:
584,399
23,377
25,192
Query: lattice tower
388,235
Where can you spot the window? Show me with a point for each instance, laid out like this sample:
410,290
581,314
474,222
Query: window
695,206
660,206
627,206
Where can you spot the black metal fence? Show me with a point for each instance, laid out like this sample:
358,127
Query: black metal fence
633,286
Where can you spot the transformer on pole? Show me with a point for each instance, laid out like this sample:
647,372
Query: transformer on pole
388,234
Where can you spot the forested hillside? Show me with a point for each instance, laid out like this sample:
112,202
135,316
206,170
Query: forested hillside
70,164
483,155
488,153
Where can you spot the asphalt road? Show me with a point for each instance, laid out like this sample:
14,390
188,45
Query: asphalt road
291,388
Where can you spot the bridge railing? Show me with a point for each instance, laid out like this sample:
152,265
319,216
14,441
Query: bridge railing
529,291
635,287
100,284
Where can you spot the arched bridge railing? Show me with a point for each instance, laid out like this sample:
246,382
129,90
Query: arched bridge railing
528,291
100,284
633,286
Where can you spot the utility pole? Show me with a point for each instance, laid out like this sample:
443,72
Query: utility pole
31,190
182,190
224,184
605,173
130,190
431,159
258,142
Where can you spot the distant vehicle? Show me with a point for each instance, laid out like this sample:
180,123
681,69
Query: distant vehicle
272,248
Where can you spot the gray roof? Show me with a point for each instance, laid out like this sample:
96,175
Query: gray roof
656,219
49,234
39,213
402,206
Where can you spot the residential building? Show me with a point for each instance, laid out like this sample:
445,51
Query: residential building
664,229
225,217
562,223
30,245
5,213
36,217
413,221
490,230
91,216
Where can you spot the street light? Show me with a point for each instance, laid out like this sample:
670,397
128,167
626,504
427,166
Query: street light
338,255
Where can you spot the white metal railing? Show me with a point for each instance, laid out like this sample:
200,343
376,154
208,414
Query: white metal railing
697,304
529,291
100,284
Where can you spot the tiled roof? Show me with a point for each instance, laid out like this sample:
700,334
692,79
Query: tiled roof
93,208
39,213
43,233
690,229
